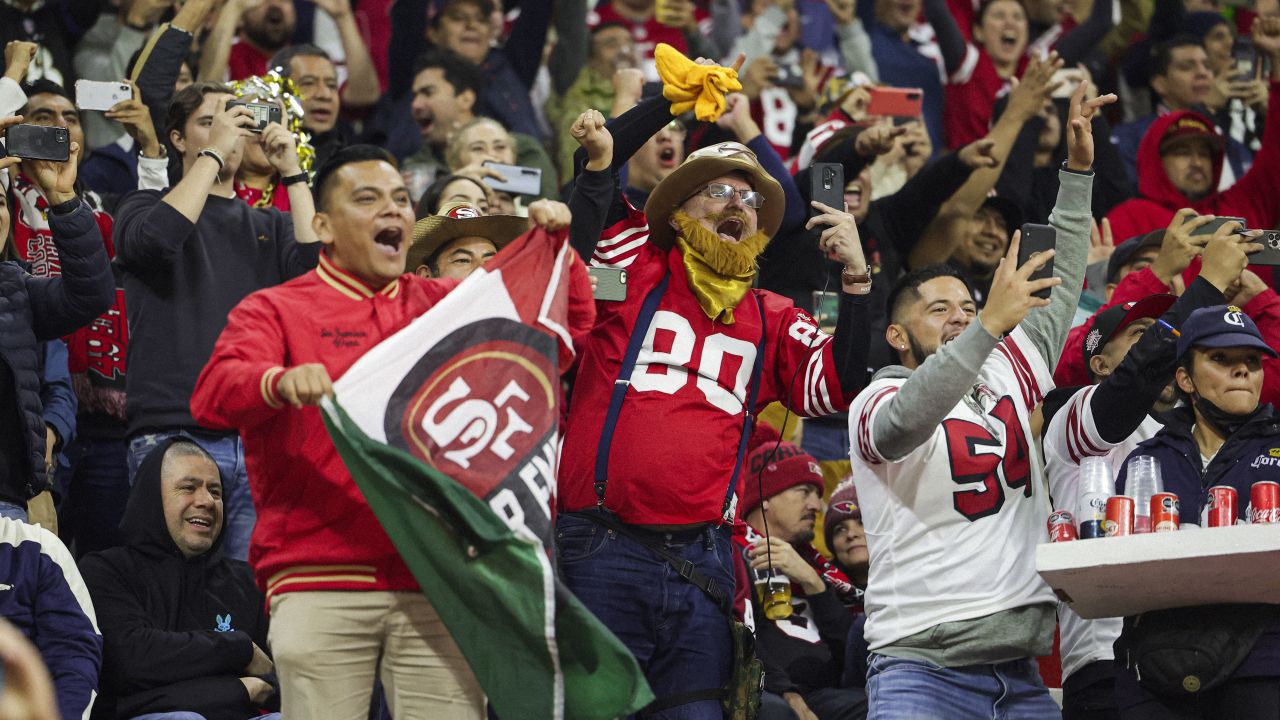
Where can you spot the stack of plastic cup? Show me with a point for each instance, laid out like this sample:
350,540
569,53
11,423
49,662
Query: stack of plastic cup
1096,485
1142,482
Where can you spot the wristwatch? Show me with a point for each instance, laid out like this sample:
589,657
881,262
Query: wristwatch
848,277
294,179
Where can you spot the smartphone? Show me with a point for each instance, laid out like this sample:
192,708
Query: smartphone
1270,252
1035,240
39,142
521,180
1212,226
100,95
611,283
895,102
1071,79
826,185
263,113
1245,56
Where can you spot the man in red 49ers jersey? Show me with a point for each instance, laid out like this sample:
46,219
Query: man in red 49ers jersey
953,493
668,381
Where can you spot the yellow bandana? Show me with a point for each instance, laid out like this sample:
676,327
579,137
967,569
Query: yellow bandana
717,294
690,86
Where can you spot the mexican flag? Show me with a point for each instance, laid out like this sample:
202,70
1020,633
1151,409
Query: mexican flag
450,429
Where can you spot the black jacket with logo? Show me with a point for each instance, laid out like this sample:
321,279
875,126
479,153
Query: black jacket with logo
178,633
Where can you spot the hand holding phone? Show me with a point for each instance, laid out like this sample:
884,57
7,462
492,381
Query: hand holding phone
608,283
895,102
520,180
1018,289
263,113
1037,240
39,142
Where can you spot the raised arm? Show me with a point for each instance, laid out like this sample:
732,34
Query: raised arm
594,189
1080,41
950,39
362,88
1071,216
216,49
855,44
908,418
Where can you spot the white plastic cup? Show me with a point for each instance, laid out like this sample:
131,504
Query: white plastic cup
1143,481
1095,486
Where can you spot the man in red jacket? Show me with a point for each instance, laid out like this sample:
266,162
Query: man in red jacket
1180,161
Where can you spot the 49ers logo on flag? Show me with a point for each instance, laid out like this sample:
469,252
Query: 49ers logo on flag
480,406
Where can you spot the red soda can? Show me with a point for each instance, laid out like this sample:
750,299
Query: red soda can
1164,512
1119,520
1062,526
1264,502
1220,511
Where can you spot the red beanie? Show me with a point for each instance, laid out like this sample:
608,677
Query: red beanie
768,473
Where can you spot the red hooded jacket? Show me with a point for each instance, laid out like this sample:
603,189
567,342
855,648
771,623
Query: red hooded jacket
1255,197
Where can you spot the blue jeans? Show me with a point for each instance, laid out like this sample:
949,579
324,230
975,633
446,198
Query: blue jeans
13,512
95,488
677,633
239,515
825,442
902,689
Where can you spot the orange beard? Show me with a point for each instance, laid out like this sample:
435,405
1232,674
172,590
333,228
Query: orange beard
729,259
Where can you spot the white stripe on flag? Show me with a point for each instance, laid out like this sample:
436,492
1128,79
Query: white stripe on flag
549,297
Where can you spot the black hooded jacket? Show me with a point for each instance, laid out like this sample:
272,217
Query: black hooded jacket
178,633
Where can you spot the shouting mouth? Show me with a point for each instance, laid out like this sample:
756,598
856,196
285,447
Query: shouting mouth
388,241
1009,41
667,157
730,230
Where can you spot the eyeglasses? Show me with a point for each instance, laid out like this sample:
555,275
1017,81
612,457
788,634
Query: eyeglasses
724,191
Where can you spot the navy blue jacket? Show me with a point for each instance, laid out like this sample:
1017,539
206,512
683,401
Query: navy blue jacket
34,309
1250,455
42,594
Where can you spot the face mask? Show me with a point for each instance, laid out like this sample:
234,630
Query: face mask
1224,423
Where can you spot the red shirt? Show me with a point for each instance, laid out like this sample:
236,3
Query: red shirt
315,531
649,33
677,435
971,94
245,60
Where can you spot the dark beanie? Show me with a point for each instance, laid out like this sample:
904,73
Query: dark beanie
843,506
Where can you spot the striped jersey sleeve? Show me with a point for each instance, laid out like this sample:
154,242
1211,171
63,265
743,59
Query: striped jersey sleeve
1034,377
862,416
620,244
1072,434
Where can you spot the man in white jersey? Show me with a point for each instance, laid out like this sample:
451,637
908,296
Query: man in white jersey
953,495
1131,357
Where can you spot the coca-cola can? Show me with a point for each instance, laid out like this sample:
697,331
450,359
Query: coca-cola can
1164,512
1062,526
1220,511
1119,520
1264,502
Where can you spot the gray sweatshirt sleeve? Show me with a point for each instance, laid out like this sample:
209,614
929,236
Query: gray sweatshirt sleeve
855,47
1047,326
909,418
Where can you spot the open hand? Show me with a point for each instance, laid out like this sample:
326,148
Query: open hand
1012,290
1034,87
1101,243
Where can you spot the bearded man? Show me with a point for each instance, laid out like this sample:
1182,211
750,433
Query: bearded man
669,382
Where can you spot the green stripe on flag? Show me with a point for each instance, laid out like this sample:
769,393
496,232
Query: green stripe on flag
491,589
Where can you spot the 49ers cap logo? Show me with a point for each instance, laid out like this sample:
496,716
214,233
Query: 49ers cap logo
480,407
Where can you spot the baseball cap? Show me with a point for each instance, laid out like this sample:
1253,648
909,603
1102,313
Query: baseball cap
1117,317
768,473
1008,210
1190,126
1221,326
1125,251
842,506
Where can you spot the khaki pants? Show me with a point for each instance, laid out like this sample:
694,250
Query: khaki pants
329,646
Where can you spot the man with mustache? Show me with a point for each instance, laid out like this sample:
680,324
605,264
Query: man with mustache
668,383
951,486
1180,162
803,653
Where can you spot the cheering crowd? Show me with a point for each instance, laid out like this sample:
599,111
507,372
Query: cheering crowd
870,281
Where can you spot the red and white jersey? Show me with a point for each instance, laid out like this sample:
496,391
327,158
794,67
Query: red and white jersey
1072,435
952,527
676,440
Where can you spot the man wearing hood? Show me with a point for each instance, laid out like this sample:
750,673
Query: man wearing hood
1180,162
682,365
184,628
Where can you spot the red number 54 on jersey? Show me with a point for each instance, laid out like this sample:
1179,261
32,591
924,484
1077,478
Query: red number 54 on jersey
976,457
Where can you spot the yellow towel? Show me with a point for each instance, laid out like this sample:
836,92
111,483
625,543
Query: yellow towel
690,86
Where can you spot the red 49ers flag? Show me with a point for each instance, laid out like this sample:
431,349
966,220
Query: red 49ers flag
450,429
